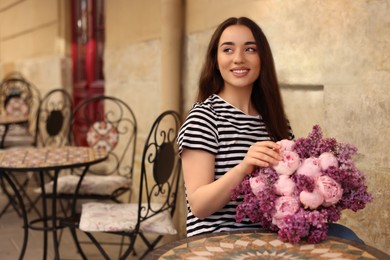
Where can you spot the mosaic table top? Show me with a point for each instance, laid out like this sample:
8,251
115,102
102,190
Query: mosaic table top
24,159
257,245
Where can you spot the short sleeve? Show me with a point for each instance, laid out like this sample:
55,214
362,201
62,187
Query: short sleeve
199,130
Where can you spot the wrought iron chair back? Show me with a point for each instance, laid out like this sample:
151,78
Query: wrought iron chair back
19,97
53,127
160,167
107,122
149,217
160,173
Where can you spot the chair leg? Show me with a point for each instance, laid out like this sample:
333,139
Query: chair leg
98,246
33,206
11,200
150,246
21,186
130,248
77,242
23,212
31,203
4,210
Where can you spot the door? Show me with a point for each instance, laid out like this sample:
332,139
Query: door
88,34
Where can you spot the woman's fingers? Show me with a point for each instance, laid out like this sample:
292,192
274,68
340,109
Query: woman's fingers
267,144
261,154
265,153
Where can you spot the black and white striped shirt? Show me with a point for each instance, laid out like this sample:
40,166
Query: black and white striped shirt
220,128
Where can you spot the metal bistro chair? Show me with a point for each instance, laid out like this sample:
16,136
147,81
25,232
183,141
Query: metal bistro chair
52,130
150,216
18,97
102,122
53,127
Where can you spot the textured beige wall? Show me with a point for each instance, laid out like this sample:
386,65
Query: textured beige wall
33,36
132,60
19,29
129,22
341,45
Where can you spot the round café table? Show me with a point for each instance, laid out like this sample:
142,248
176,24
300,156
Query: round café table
42,160
261,245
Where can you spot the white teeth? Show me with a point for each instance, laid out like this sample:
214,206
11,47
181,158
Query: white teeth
240,71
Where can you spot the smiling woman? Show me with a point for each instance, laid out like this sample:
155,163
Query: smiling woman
233,127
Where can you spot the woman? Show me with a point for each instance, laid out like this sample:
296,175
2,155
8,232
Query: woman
233,127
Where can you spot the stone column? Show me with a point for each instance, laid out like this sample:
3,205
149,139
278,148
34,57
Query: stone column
172,20
172,25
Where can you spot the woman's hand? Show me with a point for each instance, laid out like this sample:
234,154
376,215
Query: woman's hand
260,154
201,186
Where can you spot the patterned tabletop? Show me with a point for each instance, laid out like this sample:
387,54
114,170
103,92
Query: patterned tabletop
260,245
27,159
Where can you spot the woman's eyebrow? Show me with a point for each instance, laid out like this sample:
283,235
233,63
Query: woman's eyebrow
227,43
232,43
250,43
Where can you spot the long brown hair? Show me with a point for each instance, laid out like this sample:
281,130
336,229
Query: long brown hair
265,96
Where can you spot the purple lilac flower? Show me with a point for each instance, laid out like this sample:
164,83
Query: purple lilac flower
316,235
303,182
307,224
333,213
270,174
295,227
356,199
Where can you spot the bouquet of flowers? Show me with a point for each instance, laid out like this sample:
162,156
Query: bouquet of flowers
315,180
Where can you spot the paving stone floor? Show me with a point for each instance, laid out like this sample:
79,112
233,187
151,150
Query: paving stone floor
11,237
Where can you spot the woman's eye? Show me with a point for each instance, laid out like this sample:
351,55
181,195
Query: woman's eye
228,50
251,49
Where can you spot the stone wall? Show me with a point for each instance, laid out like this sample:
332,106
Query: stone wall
331,56
341,48
33,41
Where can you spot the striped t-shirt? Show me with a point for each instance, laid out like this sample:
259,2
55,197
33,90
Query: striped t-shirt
220,128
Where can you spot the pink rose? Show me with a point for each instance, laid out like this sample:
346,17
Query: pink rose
311,199
257,184
327,160
284,206
289,163
310,168
284,185
330,189
286,145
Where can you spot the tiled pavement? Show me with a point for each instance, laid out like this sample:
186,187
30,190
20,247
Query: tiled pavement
11,235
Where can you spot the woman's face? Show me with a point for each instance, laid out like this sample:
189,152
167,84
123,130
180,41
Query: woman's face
238,58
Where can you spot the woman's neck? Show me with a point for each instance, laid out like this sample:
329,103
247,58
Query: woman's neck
241,99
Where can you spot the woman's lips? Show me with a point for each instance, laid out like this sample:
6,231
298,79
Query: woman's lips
240,72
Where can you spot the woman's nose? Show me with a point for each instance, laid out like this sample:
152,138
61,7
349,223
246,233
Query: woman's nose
238,57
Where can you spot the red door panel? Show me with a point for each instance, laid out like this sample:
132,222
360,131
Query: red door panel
87,50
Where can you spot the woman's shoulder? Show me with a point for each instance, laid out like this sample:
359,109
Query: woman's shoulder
214,103
207,107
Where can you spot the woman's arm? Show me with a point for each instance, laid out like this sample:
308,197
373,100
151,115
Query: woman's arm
206,195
